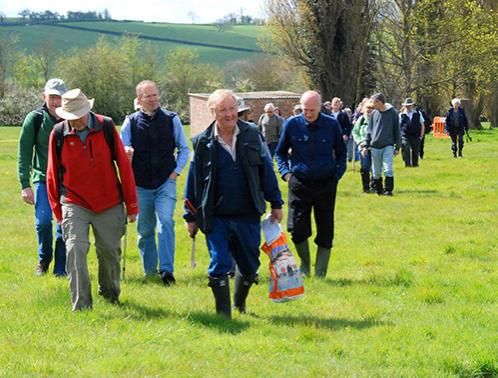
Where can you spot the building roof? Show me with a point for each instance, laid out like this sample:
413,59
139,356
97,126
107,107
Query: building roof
255,95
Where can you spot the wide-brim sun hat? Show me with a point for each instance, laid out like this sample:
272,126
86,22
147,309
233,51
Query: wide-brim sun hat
241,105
408,101
74,105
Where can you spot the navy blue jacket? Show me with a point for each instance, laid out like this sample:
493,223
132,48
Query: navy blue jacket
202,181
318,149
451,128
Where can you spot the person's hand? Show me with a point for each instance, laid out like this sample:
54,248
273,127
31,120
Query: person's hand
276,215
129,152
287,177
364,152
192,228
345,137
132,218
28,196
173,176
396,151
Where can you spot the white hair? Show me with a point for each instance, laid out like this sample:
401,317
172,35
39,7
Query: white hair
456,101
217,95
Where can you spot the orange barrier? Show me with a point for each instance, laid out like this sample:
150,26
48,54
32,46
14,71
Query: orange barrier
438,124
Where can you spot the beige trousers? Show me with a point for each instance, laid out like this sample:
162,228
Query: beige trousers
108,228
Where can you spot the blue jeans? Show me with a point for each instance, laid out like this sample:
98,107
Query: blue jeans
157,207
366,162
44,232
382,160
237,239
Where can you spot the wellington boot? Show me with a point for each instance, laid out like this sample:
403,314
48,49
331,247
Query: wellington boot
242,286
221,291
322,261
365,181
378,186
303,250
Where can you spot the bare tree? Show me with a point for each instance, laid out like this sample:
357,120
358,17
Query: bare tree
327,38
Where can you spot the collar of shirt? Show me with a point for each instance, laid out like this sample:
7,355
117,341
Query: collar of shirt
230,149
150,114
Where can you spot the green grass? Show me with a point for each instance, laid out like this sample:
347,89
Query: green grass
411,291
31,37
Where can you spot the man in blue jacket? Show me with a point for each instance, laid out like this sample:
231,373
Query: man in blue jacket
311,157
229,181
456,126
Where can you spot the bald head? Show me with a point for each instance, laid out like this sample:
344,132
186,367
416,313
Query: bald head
311,103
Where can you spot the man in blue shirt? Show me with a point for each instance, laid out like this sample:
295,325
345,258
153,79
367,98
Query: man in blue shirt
151,136
311,157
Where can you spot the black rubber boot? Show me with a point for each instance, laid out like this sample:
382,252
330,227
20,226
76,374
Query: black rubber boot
322,261
365,181
378,186
242,286
303,250
389,186
221,291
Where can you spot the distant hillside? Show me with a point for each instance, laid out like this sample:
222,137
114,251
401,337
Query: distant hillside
213,46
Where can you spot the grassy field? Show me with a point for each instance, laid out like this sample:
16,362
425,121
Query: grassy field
31,37
411,291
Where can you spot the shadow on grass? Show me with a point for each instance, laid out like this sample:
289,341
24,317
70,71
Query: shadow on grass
328,323
138,311
217,322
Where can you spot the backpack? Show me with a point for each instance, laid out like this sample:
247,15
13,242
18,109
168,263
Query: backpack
107,128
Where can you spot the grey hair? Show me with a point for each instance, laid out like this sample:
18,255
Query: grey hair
456,101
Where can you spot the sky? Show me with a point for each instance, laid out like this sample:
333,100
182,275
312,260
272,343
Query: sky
175,11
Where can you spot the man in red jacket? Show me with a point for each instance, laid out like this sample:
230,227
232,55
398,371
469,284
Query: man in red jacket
84,189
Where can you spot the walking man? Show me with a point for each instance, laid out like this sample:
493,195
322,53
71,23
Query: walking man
270,125
383,142
32,164
230,180
312,170
456,126
412,131
152,136
84,189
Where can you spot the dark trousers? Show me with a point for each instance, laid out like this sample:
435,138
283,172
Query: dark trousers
305,196
421,147
409,148
456,138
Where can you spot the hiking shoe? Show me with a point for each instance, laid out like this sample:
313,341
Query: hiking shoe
388,193
40,269
168,278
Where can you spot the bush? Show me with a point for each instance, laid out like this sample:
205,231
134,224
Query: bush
16,103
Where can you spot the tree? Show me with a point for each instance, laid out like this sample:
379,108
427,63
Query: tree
24,13
327,39
182,75
8,56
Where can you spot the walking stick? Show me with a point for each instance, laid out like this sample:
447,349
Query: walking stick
193,264
125,244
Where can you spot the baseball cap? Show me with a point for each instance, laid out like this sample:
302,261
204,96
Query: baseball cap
55,87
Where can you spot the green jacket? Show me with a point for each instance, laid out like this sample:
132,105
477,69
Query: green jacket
360,130
33,154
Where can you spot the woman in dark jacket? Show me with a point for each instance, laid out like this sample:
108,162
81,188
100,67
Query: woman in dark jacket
456,126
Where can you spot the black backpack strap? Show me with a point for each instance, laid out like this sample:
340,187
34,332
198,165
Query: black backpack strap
38,121
108,128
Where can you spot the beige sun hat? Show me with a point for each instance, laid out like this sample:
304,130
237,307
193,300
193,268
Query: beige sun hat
74,105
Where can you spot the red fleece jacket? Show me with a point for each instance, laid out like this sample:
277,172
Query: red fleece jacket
89,179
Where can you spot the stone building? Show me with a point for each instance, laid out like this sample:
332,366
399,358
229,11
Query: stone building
200,116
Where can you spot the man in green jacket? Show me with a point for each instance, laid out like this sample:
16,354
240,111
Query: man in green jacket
32,167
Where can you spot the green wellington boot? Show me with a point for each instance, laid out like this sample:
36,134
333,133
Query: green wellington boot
322,261
303,250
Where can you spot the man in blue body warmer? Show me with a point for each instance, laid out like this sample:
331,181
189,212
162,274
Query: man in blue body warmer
229,181
151,136
311,157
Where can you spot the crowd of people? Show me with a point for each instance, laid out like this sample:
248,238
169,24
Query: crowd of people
86,175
